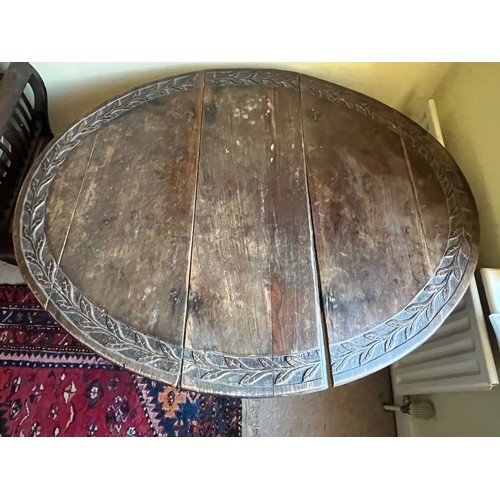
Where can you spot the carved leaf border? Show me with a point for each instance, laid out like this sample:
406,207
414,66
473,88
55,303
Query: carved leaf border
420,312
211,366
297,368
90,319
81,312
250,77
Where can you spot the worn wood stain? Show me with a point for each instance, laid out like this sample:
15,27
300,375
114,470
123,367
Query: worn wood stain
247,224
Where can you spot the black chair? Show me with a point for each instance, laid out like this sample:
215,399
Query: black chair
24,132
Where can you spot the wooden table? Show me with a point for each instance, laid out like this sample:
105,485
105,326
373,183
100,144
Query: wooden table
247,232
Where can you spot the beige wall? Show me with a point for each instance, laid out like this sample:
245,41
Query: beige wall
468,104
75,88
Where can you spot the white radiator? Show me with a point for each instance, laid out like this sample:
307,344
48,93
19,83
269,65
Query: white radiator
458,356
491,281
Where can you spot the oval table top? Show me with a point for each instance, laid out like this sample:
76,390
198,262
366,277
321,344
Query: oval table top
247,232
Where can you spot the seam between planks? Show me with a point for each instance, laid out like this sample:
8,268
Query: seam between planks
201,100
72,215
417,203
320,313
272,233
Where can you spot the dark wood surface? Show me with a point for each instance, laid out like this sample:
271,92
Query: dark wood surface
366,220
247,232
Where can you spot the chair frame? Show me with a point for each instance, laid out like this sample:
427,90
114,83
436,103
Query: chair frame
24,132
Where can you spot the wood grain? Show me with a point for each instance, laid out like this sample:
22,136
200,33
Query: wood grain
64,194
431,203
295,306
252,288
131,230
215,230
229,287
371,252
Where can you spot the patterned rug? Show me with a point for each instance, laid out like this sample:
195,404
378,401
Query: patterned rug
51,385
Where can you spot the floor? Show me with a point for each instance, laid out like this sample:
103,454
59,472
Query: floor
351,410
354,409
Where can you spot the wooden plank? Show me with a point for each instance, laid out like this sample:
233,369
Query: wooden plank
295,307
426,162
252,289
370,246
297,323
64,193
229,296
129,239
432,207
